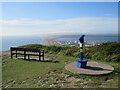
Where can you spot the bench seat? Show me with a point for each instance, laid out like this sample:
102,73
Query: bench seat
32,54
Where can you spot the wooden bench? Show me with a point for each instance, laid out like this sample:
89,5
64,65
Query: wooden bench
26,52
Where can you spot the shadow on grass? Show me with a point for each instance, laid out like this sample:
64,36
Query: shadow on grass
35,60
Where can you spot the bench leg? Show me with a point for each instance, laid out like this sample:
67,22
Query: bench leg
28,56
39,58
24,57
16,53
43,57
11,55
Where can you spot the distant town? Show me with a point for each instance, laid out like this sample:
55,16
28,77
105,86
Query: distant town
76,43
91,40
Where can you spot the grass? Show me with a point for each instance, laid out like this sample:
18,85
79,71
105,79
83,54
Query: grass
20,69
33,74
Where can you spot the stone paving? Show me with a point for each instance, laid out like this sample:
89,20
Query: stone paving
93,68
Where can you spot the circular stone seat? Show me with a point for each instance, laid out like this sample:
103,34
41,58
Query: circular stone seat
92,68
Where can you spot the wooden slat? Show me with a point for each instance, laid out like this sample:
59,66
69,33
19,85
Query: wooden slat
32,54
40,52
32,50
17,48
18,53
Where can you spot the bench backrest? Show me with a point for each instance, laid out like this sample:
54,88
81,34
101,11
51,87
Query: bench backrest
16,48
32,50
24,49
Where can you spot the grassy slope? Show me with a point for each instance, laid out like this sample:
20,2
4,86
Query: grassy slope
22,73
107,52
23,70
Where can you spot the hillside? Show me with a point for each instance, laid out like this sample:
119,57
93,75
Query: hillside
107,51
19,73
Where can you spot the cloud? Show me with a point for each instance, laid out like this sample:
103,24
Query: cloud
87,25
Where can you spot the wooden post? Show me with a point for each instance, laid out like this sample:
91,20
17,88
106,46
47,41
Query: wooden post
24,53
43,54
28,56
16,53
11,53
39,56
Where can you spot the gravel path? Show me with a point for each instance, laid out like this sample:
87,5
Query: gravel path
6,52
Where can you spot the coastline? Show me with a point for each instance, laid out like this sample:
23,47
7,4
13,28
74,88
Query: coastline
49,42
9,41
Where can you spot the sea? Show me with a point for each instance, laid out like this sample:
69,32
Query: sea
14,41
89,38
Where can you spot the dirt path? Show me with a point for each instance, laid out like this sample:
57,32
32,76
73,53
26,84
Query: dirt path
6,53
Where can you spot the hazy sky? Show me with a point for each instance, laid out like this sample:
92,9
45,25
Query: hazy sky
43,18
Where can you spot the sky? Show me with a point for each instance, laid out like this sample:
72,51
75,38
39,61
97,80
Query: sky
49,18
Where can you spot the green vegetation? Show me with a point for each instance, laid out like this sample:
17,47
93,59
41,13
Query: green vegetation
107,51
51,74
